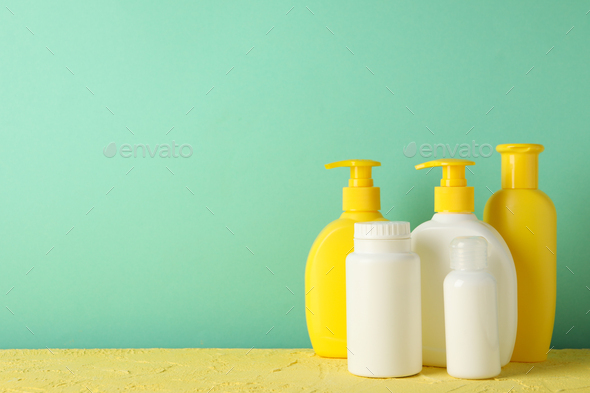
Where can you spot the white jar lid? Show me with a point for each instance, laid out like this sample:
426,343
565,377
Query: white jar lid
382,230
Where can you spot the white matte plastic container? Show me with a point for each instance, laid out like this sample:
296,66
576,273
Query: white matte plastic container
383,316
471,312
431,241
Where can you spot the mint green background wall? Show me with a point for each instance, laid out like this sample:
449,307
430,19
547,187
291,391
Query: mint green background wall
147,264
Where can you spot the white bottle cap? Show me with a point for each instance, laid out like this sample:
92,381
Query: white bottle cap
382,230
469,253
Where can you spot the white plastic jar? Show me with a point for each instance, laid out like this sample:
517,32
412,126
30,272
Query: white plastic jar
383,315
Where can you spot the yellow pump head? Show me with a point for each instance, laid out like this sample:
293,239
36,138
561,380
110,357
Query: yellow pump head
360,195
453,195
520,164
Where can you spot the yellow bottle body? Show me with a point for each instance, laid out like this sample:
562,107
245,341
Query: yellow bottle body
526,219
325,283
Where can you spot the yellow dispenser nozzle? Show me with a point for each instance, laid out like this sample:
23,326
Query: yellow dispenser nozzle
360,171
360,195
520,164
453,195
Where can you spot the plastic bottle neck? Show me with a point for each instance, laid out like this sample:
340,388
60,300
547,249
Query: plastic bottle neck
453,199
379,246
520,170
361,199
453,217
470,270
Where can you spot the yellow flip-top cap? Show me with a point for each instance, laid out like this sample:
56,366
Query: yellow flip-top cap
520,164
360,195
453,195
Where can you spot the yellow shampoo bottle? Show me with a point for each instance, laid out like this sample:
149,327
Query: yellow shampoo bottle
526,219
325,281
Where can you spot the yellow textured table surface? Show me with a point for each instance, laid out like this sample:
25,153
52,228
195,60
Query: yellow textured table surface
259,370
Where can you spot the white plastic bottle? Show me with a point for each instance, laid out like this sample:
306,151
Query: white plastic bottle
384,332
453,204
471,312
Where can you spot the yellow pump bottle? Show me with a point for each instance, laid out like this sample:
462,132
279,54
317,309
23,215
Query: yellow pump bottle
325,281
526,219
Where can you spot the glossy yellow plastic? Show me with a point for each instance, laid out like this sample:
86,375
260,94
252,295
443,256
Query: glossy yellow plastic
453,195
325,280
526,219
360,195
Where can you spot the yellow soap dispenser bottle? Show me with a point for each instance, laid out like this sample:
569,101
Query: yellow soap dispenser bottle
526,219
325,281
